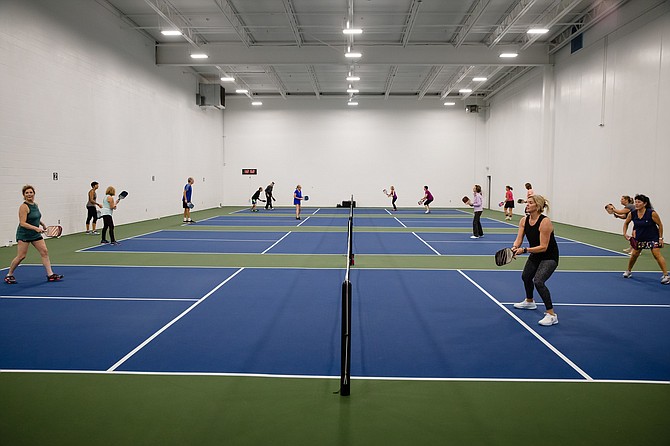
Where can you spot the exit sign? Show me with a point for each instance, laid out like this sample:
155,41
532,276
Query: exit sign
249,171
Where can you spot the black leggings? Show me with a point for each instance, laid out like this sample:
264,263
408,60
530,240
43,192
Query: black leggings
535,273
477,230
393,203
109,224
92,214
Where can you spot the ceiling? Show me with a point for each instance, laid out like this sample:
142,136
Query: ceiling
411,48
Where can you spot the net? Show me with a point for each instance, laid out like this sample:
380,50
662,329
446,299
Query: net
345,365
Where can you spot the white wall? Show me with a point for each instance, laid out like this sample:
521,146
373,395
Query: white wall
335,151
606,123
83,98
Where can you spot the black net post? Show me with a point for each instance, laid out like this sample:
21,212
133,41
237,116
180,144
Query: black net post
345,366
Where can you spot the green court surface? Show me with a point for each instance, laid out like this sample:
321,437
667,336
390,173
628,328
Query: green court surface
151,409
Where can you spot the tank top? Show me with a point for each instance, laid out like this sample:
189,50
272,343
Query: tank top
106,209
33,218
533,235
89,203
646,229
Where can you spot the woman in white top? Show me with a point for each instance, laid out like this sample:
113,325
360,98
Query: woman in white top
477,204
108,206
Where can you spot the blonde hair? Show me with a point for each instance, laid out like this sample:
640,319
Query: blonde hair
110,191
541,202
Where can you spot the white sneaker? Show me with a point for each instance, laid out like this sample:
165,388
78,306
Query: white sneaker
627,274
427,212
665,280
473,236
548,319
525,305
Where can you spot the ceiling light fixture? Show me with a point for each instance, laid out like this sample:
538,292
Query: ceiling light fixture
537,31
352,90
256,103
479,79
199,56
353,78
352,55
352,31
449,103
508,55
352,103
227,79
171,32
465,90
241,91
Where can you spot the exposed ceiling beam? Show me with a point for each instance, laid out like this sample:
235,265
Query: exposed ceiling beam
599,10
390,77
233,17
477,85
508,21
238,54
410,21
456,78
472,17
428,81
276,80
293,21
175,20
513,74
314,79
550,18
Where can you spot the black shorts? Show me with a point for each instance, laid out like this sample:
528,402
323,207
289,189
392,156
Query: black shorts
509,204
427,202
184,204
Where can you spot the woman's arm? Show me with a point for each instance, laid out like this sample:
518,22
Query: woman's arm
657,220
625,225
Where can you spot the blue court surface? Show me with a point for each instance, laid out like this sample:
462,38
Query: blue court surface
400,243
436,324
388,221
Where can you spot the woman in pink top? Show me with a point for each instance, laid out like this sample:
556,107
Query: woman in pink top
509,203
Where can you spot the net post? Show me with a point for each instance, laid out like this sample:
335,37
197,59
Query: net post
345,365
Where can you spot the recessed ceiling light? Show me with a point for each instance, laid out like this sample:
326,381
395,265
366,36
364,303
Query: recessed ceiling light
537,31
353,78
465,90
449,103
479,79
352,31
257,103
227,79
241,91
199,56
171,32
508,55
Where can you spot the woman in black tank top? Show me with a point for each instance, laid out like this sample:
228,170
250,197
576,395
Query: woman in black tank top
543,259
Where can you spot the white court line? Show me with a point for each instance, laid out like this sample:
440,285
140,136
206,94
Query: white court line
533,332
401,223
333,377
425,243
275,243
127,238
299,224
173,321
100,298
175,239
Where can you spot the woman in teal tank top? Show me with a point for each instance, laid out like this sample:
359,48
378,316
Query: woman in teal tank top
29,232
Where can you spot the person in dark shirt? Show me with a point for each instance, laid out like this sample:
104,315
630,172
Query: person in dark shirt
268,196
543,259
254,198
648,230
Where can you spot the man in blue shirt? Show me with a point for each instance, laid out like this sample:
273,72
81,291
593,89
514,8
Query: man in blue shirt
186,200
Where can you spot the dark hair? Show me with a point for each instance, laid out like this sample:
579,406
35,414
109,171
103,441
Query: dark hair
93,184
509,187
643,198
627,198
529,186
425,187
478,188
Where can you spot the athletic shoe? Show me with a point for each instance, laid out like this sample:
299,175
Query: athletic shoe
10,280
427,212
104,241
548,319
116,243
94,233
525,305
627,274
54,278
473,236
665,280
